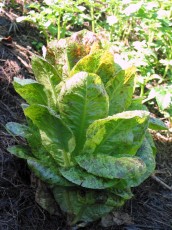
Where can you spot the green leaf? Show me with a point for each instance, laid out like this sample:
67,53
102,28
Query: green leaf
47,75
47,174
122,133
163,97
120,90
146,154
20,151
34,140
85,205
57,139
151,142
111,167
84,179
157,124
136,104
100,62
82,100
17,129
124,193
31,91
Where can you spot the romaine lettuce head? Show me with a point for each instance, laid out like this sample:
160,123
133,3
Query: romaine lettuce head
87,138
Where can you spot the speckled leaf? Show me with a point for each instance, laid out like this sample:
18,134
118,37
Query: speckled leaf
45,199
122,133
120,90
47,174
157,124
34,141
20,151
31,91
100,62
17,129
85,205
84,179
48,76
111,167
124,192
145,153
82,100
57,139
149,138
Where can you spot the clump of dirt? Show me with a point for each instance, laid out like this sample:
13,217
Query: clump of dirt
151,206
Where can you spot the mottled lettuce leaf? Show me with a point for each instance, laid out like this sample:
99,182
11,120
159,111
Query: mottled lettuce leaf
146,153
82,100
86,205
122,133
20,151
31,91
84,179
48,174
56,137
100,62
111,167
120,89
47,75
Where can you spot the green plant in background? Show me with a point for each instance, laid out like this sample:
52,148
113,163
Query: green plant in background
53,17
163,97
87,138
147,45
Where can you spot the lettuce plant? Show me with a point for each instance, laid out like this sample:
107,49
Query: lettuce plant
87,137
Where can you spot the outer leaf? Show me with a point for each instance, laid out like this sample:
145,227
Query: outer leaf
124,193
34,140
151,142
17,129
100,62
20,151
120,90
46,75
111,167
122,133
82,100
86,205
136,104
31,91
57,139
47,174
157,124
84,179
146,154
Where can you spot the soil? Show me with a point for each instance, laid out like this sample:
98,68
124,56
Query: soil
151,205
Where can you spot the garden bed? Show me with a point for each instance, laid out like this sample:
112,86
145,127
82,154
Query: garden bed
151,206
